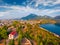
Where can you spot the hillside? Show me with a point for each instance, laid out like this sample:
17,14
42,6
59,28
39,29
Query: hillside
31,32
34,16
30,16
57,17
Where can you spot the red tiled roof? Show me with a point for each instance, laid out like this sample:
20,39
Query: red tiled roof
13,33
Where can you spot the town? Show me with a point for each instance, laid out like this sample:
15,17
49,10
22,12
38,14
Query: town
26,32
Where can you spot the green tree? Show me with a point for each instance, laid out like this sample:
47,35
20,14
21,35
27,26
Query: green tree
41,43
11,42
15,23
5,27
20,36
39,39
0,34
4,35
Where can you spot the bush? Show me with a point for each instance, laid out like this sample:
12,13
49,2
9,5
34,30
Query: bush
11,42
50,43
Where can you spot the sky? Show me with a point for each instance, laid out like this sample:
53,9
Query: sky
10,9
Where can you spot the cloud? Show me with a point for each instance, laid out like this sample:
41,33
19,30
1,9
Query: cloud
21,11
57,2
17,11
2,13
44,2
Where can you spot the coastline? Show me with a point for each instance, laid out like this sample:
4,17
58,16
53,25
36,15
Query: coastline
50,32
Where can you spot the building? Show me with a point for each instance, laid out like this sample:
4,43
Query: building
13,35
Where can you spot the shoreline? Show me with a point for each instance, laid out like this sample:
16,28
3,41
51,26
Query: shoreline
50,32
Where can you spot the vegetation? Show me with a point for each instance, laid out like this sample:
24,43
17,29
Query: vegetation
32,32
11,42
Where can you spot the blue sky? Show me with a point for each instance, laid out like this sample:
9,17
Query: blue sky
21,8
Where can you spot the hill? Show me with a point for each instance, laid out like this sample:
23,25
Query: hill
34,16
57,17
30,16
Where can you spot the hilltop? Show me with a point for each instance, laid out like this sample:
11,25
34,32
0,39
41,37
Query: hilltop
29,17
34,16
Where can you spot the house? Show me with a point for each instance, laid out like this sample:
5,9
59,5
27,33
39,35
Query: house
25,41
13,35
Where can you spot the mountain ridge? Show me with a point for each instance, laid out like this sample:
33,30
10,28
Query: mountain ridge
34,16
57,17
30,16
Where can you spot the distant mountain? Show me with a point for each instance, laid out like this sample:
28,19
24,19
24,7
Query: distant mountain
57,17
34,16
29,17
47,17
